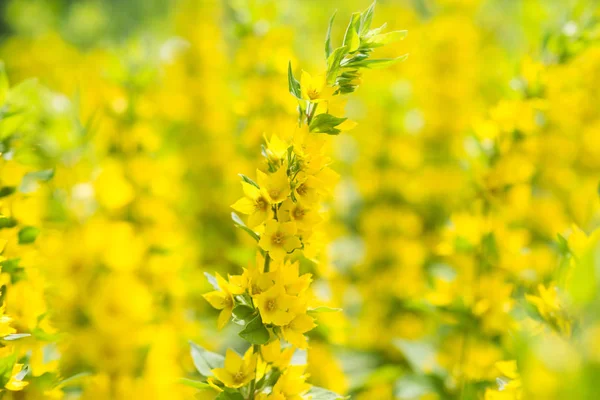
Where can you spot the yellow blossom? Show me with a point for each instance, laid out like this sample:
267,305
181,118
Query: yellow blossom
237,371
279,239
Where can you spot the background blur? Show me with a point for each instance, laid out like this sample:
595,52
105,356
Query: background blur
461,230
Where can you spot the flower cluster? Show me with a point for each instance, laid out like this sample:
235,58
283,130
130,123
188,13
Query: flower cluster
283,208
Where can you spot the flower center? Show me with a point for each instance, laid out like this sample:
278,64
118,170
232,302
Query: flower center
299,213
256,289
261,204
278,238
238,377
301,190
274,194
313,94
270,306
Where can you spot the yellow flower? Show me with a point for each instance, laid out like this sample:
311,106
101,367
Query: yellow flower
295,330
275,306
276,149
307,188
254,203
304,217
15,384
279,239
292,383
272,353
237,371
289,276
549,306
275,186
315,89
223,299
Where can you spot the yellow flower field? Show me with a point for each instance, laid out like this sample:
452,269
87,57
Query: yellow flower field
288,200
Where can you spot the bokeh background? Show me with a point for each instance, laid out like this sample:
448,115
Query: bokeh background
462,234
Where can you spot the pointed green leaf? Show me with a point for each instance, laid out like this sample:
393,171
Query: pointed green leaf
28,234
326,123
385,38
205,361
319,393
229,395
240,224
255,332
7,191
319,310
378,63
195,384
212,280
366,18
351,38
328,48
333,63
248,180
293,84
3,84
243,313
16,336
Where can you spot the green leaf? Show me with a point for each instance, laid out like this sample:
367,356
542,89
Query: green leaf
378,63
7,222
30,180
385,38
195,384
326,123
229,395
6,365
319,393
242,313
248,180
255,332
333,63
328,48
73,380
413,387
4,86
293,84
582,285
28,234
205,360
15,336
563,244
351,38
319,310
240,224
212,280
366,18
7,191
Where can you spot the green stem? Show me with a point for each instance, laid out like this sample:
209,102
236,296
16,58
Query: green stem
312,109
256,349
